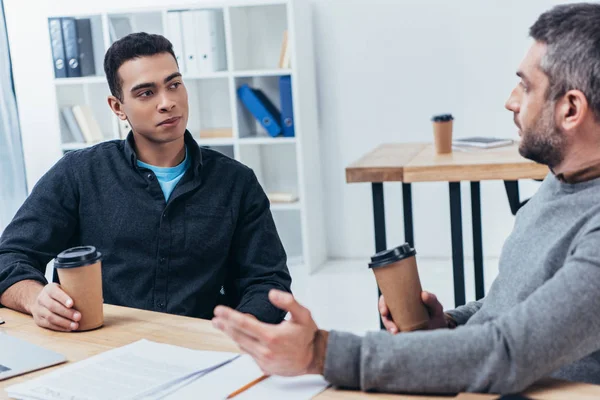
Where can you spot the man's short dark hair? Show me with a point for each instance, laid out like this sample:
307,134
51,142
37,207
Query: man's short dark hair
132,46
571,33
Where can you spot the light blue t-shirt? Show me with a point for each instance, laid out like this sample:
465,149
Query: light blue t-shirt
168,176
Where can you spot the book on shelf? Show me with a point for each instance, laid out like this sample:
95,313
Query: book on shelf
119,27
282,197
87,123
213,133
284,55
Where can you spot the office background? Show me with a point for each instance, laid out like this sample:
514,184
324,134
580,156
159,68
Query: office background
382,68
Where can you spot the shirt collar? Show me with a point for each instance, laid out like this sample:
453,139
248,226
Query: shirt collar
193,150
584,174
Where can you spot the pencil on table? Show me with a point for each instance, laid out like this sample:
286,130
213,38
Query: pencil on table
247,386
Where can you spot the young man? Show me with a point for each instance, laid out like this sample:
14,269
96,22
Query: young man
541,316
181,228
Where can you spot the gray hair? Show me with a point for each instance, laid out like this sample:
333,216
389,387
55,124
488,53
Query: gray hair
571,33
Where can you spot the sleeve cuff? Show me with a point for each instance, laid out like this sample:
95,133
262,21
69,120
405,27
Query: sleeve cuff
263,310
19,273
342,360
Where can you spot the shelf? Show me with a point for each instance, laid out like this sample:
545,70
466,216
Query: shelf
212,75
285,206
215,142
84,80
267,140
262,72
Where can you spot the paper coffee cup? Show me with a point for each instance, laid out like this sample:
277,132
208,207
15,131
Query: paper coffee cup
80,273
442,133
398,279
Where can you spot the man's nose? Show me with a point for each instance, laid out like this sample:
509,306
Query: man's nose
513,103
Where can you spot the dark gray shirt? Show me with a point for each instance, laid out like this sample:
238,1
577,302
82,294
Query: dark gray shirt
541,317
214,241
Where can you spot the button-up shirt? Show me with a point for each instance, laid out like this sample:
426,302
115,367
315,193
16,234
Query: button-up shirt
213,242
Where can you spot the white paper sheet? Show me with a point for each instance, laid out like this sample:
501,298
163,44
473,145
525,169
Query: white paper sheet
219,383
128,372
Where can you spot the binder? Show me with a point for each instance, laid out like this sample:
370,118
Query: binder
210,40
175,33
287,108
58,48
85,46
69,28
190,45
261,108
71,122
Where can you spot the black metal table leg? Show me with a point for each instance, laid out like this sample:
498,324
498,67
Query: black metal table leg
477,239
409,235
457,244
379,220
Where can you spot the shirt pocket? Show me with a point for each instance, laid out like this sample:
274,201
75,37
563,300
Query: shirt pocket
208,232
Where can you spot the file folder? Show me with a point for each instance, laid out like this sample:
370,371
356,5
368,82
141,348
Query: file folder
58,47
287,108
85,46
69,28
176,37
261,108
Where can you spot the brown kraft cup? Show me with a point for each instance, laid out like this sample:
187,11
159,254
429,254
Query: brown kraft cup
442,133
398,279
80,273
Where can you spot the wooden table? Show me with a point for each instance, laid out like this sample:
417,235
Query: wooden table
126,325
417,162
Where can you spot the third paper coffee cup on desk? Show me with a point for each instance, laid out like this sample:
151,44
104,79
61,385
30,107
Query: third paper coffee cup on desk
398,279
80,272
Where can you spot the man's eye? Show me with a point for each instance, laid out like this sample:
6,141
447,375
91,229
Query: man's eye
145,94
175,85
523,86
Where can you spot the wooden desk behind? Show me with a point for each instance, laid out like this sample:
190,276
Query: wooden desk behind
127,325
418,162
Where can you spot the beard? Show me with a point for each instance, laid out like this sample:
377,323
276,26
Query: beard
543,142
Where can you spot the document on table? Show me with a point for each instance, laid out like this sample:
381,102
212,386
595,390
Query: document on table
141,370
219,383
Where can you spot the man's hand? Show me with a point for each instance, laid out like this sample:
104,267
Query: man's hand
53,309
437,318
286,349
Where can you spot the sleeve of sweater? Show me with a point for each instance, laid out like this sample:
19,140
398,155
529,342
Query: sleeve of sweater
462,314
556,325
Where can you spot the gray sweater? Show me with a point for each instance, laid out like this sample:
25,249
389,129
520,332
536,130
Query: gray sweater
540,318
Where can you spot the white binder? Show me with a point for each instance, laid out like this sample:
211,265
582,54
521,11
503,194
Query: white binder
175,35
190,43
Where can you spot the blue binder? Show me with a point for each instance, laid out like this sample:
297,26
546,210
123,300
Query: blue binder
69,28
58,47
261,108
287,108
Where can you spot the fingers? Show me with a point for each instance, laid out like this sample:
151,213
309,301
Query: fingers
47,319
286,302
432,303
55,292
245,342
229,318
59,309
383,308
389,325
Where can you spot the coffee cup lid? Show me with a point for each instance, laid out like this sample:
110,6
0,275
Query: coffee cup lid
77,257
442,118
391,256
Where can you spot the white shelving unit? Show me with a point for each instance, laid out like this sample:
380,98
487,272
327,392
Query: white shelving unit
253,32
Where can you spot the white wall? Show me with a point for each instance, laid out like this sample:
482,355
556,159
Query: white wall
384,67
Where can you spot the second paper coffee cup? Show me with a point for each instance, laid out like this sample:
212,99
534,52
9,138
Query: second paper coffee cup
80,273
398,279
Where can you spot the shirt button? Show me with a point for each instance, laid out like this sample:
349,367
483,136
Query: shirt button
164,215
161,305
162,260
151,177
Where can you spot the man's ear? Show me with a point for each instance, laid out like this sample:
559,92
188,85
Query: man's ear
572,110
117,107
